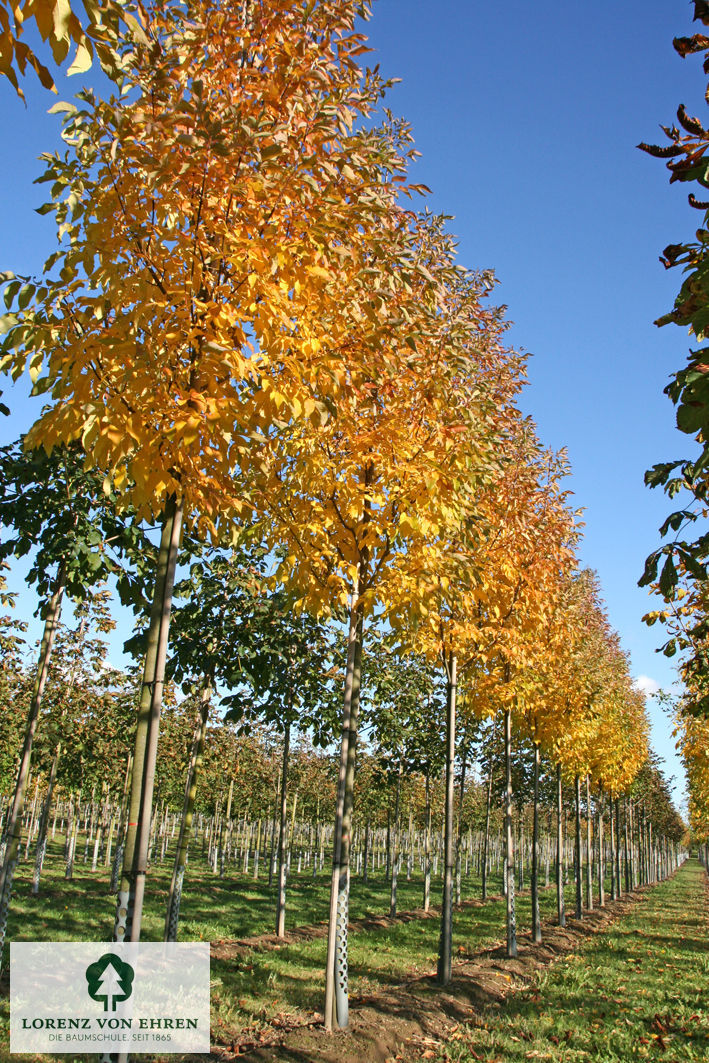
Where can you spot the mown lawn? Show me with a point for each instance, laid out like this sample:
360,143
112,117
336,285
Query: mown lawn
250,992
287,984
636,991
213,908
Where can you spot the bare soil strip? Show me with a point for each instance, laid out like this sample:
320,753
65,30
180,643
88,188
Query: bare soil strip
412,1016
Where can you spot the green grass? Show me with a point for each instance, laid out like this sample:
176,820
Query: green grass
213,908
637,991
251,992
288,983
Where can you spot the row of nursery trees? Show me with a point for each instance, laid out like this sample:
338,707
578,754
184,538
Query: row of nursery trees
251,339
254,810
284,670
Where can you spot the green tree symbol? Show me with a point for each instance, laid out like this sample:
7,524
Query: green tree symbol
110,980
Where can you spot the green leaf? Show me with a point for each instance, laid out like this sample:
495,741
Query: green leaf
676,520
693,566
691,419
7,321
650,574
25,294
10,292
659,474
668,577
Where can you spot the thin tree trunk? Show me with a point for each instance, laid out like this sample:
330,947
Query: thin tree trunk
601,862
129,907
445,949
367,844
13,827
626,843
458,841
71,841
579,863
486,848
32,819
225,832
614,852
120,839
509,837
397,844
427,847
536,915
281,909
174,898
589,850
560,906
44,821
290,839
336,972
272,853
617,848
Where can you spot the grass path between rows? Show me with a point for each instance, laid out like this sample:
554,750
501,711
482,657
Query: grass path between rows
267,999
258,994
626,982
637,991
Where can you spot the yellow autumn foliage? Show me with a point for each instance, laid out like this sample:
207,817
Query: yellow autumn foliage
203,216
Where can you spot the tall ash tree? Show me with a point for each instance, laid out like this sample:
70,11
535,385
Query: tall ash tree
200,216
350,503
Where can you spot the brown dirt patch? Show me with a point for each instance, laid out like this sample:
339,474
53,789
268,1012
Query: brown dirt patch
415,1014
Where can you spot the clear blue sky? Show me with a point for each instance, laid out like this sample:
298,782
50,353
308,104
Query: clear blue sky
527,117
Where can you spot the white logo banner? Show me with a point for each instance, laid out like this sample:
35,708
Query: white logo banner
105,997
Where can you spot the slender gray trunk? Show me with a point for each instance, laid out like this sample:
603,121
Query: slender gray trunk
427,847
397,844
365,863
120,842
129,907
486,847
589,850
282,832
601,855
509,839
536,915
560,905
44,821
579,874
225,832
174,898
13,827
458,841
336,972
445,948
614,852
619,885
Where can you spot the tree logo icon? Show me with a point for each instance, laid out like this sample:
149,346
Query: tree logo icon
110,980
